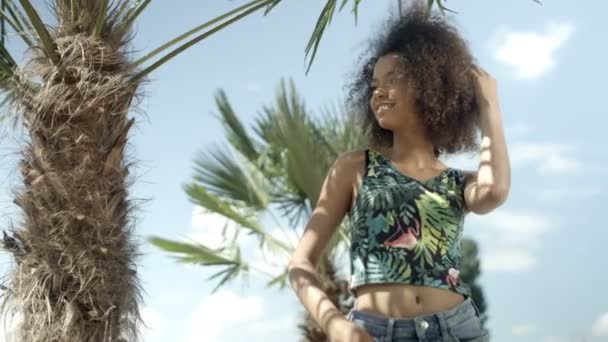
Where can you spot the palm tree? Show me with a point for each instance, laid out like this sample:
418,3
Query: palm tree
271,171
74,276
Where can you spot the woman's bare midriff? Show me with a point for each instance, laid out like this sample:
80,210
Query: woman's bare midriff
407,301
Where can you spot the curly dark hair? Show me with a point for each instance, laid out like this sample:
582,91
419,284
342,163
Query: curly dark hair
437,62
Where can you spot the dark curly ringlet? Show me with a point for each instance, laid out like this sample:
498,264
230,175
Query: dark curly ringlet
437,63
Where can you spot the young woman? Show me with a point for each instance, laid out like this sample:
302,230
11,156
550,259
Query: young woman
421,96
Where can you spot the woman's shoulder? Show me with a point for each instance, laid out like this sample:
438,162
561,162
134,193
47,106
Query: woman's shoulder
351,162
352,158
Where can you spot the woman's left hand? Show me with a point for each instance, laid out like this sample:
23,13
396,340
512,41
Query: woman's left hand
486,88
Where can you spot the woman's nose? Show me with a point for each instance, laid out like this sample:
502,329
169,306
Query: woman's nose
378,94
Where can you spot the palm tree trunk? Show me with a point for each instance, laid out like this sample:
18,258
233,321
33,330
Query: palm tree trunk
74,277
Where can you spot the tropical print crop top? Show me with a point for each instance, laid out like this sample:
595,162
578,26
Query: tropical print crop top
407,231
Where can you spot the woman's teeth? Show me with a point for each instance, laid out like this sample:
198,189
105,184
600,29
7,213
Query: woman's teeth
383,108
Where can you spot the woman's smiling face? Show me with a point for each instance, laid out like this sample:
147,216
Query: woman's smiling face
392,100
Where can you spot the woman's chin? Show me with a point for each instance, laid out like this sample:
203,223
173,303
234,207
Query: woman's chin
383,123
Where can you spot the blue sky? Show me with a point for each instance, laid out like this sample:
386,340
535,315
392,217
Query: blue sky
543,252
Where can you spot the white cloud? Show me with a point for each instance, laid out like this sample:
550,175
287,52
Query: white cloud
572,193
154,325
282,328
222,312
512,228
600,327
509,238
546,157
508,260
531,54
523,329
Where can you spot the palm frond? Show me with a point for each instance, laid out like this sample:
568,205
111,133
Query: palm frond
202,197
280,280
7,15
271,6
194,253
442,7
251,7
306,161
226,177
43,34
341,129
298,150
137,8
101,16
317,34
2,23
7,70
323,21
75,9
235,131
355,10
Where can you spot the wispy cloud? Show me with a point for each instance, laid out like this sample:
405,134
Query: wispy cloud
547,158
508,260
531,53
523,329
512,228
509,239
570,193
221,313
600,327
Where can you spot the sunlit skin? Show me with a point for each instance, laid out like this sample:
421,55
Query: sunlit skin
412,153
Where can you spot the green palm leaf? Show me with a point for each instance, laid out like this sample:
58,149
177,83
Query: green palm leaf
101,17
244,10
202,197
229,178
134,12
43,34
235,131
9,16
192,253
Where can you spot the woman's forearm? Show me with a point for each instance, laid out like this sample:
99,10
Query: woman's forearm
494,169
305,283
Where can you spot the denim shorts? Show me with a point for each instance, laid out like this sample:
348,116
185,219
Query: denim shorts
461,323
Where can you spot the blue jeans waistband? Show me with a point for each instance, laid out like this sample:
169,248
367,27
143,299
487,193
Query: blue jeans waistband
429,325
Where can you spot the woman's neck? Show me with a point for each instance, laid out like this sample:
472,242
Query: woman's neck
414,150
